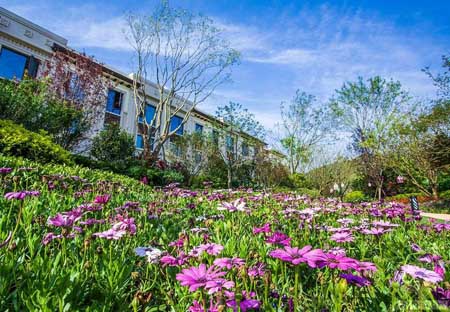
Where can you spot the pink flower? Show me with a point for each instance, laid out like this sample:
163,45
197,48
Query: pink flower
210,248
296,255
21,195
279,238
338,262
102,199
125,224
173,261
49,237
111,234
245,304
257,270
196,277
237,205
342,237
424,274
264,229
375,231
217,285
229,263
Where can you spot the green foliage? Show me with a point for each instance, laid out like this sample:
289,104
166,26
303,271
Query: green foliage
310,192
114,146
15,140
30,103
404,196
355,197
445,195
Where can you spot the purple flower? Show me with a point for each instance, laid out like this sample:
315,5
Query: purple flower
174,261
218,285
196,277
342,237
442,296
237,205
102,199
279,238
257,270
92,221
415,247
338,262
125,224
429,258
63,220
49,237
210,249
229,263
5,170
355,280
21,195
377,231
424,274
111,234
296,255
264,229
246,303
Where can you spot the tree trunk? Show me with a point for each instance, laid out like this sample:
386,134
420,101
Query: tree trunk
229,177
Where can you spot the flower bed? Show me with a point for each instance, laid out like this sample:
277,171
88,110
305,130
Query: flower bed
77,242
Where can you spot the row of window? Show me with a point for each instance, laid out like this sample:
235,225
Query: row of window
14,64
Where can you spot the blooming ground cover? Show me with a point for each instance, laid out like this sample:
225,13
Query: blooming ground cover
72,241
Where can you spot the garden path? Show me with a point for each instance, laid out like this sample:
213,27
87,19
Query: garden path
440,216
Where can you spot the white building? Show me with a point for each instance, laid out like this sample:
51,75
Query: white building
25,46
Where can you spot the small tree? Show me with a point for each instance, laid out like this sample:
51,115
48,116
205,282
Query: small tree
78,80
239,130
367,110
302,127
190,150
187,58
113,146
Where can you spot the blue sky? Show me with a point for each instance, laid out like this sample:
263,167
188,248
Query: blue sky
286,45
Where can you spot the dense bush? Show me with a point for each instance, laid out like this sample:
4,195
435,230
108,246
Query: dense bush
310,192
445,195
30,103
15,140
355,197
113,146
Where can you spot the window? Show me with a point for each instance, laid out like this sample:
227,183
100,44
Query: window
114,103
244,149
197,157
139,141
14,64
149,114
198,128
175,122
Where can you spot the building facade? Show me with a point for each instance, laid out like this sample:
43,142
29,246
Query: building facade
25,47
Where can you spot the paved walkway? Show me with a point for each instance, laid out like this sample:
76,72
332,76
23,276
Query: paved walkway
440,216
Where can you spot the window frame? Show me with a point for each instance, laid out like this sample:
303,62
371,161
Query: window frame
122,95
26,68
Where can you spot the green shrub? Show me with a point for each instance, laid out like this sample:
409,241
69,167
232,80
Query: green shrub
355,197
311,193
113,145
15,140
445,195
31,104
404,196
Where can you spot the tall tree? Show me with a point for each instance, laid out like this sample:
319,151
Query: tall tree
303,125
187,58
240,131
366,110
421,150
